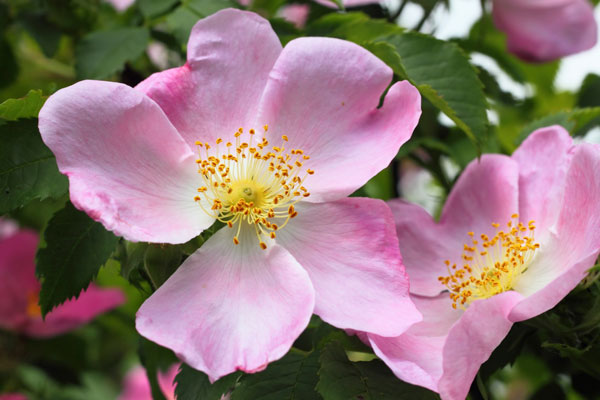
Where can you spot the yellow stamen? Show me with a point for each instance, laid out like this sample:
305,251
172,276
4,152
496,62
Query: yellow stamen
33,308
251,183
495,267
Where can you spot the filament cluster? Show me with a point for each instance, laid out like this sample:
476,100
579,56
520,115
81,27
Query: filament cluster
248,181
491,265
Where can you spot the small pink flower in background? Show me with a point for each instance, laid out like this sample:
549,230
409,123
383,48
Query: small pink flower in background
13,396
158,54
297,14
348,3
121,5
516,235
137,387
7,228
19,289
270,141
544,30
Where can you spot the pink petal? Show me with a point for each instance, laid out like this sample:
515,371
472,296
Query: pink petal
166,381
486,192
424,246
579,219
416,355
218,91
230,307
12,396
544,30
136,386
472,340
543,158
444,352
550,293
574,244
17,278
350,251
414,359
127,165
348,3
74,313
328,108
295,13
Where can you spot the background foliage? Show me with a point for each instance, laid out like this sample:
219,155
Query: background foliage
49,44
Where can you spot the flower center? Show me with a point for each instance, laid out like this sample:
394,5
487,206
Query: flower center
33,308
251,183
492,265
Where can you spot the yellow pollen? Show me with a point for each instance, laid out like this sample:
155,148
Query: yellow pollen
250,183
492,268
33,308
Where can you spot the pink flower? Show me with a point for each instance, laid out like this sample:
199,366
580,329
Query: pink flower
121,5
19,290
297,14
545,199
348,3
161,162
12,396
137,386
544,30
7,228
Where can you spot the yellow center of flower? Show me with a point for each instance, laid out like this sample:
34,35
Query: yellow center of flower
491,265
33,309
251,182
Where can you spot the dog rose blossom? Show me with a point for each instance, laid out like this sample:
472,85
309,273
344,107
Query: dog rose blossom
516,235
269,142
19,293
137,387
544,30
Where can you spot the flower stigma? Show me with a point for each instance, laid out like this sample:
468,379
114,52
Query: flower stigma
252,183
491,265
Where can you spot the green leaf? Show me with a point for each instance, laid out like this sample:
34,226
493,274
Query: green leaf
155,358
25,107
266,7
153,8
76,248
9,69
133,258
184,17
573,121
442,73
585,359
582,117
181,22
27,167
341,379
355,26
100,54
46,34
209,7
381,186
160,261
507,352
294,377
194,385
589,94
